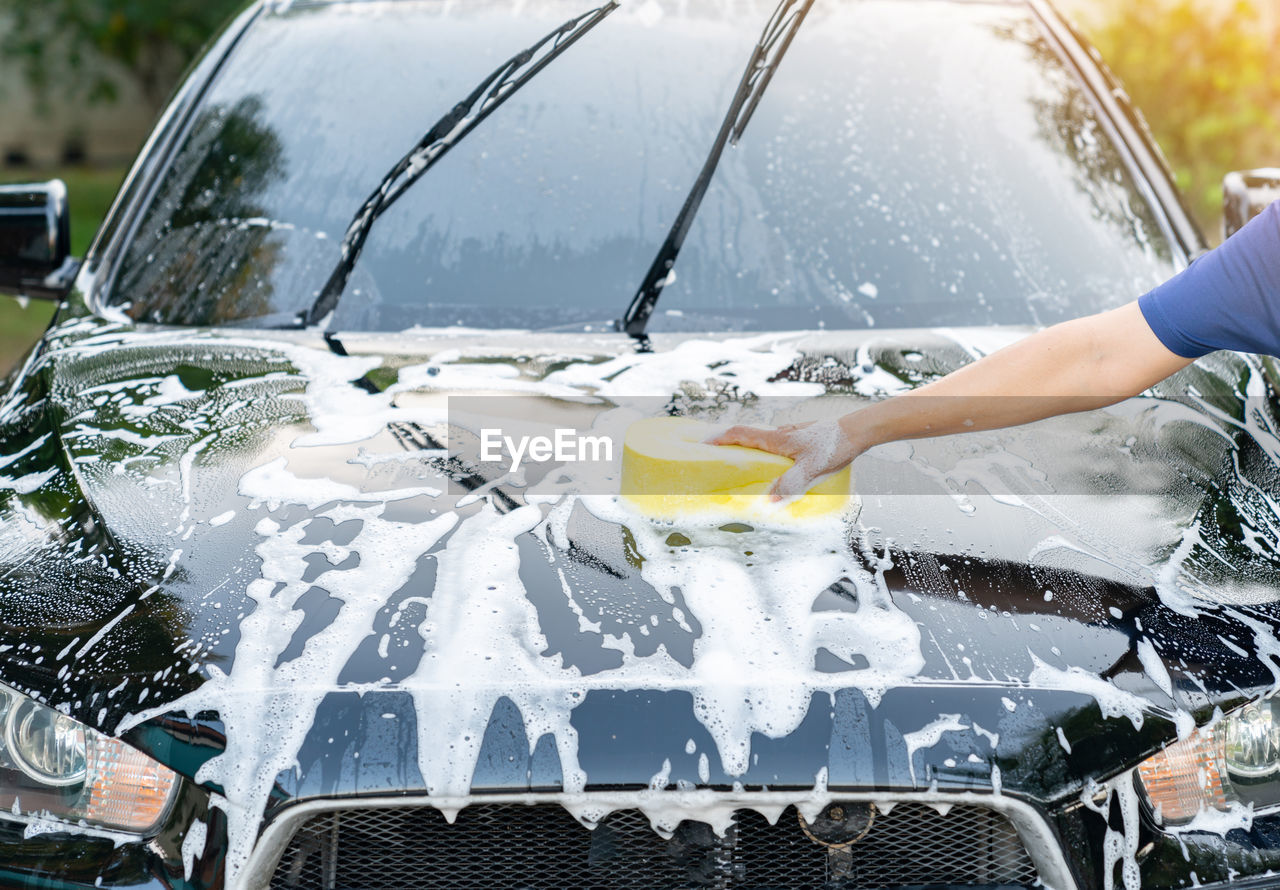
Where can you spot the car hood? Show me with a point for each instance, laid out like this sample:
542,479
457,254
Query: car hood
252,558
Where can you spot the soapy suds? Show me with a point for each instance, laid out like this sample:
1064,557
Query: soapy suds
1236,817
993,738
1121,847
822,442
1113,701
29,483
928,736
1154,667
193,846
773,635
753,666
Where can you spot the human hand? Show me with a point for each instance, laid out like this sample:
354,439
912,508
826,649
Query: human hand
818,449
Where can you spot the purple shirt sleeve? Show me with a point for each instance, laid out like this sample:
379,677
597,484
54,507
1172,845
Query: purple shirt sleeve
1229,298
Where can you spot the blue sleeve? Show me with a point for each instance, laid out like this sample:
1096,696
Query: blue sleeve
1229,298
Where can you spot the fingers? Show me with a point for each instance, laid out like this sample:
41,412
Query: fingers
791,484
817,448
755,437
751,437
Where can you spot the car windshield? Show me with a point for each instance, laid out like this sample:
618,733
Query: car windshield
919,163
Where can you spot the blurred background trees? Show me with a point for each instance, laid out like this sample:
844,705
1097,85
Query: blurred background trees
1206,76
61,45
81,81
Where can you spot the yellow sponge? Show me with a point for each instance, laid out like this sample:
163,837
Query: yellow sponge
669,471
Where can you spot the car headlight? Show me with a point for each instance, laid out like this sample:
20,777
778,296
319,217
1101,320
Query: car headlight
54,767
1236,761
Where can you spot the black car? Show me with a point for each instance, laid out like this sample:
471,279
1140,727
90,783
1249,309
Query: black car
262,624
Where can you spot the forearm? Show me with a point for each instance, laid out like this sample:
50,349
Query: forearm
1075,366
1078,365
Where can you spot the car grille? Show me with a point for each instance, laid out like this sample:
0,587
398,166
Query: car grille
517,847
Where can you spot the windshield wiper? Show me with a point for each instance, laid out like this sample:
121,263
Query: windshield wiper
446,133
772,46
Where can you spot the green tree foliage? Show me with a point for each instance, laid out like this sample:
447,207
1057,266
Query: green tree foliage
1206,77
63,43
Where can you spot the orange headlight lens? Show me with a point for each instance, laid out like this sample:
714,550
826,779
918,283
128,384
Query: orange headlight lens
54,766
1185,778
129,791
1236,761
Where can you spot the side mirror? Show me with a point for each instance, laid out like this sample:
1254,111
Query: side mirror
1245,194
35,240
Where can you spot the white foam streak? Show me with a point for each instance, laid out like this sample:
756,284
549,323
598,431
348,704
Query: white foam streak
928,736
1154,667
480,626
274,485
481,632
1236,817
268,708
753,662
750,363
193,845
1113,701
753,668
1122,846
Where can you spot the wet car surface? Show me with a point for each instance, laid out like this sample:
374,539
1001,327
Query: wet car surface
339,657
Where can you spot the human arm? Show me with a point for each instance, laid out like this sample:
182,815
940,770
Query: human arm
1077,365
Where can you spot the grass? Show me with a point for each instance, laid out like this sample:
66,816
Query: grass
90,192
